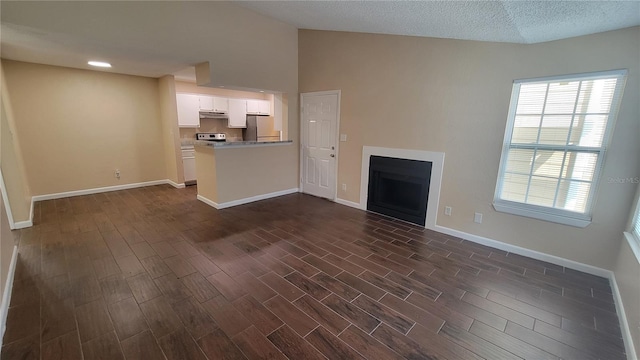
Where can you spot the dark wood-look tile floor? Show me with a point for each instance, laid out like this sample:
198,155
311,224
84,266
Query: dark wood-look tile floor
152,273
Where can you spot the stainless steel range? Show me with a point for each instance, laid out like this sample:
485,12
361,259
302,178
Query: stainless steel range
211,136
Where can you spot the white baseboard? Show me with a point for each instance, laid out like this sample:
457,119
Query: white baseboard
175,184
589,269
23,224
97,190
624,324
348,203
246,200
6,295
209,202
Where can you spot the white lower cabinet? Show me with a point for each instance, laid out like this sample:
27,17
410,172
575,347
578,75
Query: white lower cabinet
189,164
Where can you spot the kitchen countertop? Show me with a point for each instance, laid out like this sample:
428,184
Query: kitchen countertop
233,144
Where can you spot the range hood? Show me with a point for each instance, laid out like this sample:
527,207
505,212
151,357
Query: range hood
213,115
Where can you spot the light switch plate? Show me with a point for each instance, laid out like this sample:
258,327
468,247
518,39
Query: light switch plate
477,218
343,137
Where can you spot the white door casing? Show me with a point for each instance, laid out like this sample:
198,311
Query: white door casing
319,115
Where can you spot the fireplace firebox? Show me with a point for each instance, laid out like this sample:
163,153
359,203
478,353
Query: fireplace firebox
399,188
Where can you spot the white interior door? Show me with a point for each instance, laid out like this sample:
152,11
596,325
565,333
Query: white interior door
319,126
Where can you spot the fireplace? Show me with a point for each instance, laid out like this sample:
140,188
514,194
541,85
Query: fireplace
437,166
399,188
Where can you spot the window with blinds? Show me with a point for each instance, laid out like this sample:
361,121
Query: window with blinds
555,140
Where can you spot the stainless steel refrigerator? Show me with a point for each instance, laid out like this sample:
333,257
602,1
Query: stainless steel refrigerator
260,128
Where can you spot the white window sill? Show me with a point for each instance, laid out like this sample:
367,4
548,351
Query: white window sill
522,211
634,244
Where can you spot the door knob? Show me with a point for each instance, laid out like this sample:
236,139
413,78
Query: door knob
332,155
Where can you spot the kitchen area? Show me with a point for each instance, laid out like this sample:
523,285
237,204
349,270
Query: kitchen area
229,139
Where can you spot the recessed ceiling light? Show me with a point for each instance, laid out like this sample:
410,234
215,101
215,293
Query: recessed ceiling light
221,86
261,90
99,64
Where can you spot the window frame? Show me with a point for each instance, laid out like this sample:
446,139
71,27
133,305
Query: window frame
633,237
551,214
635,222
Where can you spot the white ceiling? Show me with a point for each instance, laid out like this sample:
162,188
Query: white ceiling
148,38
501,21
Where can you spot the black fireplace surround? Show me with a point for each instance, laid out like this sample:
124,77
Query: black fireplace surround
399,188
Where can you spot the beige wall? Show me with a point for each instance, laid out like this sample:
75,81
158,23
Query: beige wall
170,134
453,96
212,125
244,49
13,172
206,173
240,173
77,126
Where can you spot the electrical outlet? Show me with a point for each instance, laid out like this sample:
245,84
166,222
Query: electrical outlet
344,187
117,174
477,217
447,210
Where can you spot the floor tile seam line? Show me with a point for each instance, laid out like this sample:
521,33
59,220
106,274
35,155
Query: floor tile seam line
355,298
579,350
324,298
335,274
411,292
269,299
345,328
380,320
507,350
356,275
200,348
553,312
520,282
375,328
299,297
329,309
274,330
508,308
411,328
310,331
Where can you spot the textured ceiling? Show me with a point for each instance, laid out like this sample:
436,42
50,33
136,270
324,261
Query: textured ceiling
154,38
501,21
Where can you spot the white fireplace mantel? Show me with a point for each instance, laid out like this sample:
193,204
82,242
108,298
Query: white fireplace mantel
437,166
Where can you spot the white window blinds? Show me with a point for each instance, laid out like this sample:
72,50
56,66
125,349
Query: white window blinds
555,141
635,228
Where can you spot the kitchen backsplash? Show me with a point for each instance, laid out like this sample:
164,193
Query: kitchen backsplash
212,125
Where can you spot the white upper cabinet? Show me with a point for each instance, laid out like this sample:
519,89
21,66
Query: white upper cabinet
188,106
258,107
237,113
214,104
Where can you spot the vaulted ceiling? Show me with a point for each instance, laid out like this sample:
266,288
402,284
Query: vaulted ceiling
156,38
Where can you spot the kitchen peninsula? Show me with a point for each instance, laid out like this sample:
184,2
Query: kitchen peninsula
235,173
